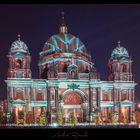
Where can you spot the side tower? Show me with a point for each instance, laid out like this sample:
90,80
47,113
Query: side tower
18,80
120,65
19,60
120,73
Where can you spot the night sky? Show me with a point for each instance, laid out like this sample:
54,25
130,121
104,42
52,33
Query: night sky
99,27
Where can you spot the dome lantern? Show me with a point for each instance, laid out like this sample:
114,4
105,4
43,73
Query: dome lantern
63,28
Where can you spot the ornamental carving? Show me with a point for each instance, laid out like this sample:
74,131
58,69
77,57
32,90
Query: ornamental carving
72,98
73,86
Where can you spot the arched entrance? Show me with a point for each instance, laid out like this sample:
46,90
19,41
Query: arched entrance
74,105
19,114
19,108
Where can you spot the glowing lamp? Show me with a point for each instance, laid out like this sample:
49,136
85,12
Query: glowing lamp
20,108
139,105
39,110
54,124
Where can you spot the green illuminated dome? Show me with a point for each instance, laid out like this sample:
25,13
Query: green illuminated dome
119,52
65,43
19,46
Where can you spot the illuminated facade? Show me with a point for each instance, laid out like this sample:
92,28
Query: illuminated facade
68,81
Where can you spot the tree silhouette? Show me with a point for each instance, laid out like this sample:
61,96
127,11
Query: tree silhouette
12,119
113,118
74,119
59,118
2,117
42,119
137,116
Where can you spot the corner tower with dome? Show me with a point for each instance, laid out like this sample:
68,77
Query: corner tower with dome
68,83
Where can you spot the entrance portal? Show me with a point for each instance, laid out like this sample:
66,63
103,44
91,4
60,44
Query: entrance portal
73,106
19,115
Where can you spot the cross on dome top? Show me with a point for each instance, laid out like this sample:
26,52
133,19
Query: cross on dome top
19,36
119,42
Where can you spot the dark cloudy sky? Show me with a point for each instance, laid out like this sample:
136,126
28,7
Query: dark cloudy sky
98,26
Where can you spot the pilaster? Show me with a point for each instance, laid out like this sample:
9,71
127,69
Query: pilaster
56,98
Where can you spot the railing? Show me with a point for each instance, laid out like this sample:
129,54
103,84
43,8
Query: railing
84,76
64,75
125,76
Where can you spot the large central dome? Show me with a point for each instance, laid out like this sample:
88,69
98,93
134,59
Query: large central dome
64,52
65,43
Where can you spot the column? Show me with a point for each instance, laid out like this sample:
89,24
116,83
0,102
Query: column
91,103
8,103
129,92
119,101
56,98
27,61
30,98
99,92
11,90
24,114
13,93
34,101
133,101
48,105
10,67
35,114
115,102
24,94
48,99
61,106
118,71
34,94
127,66
84,111
45,95
130,95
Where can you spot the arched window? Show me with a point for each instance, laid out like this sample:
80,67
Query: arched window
86,70
124,69
124,96
19,95
52,97
52,73
105,97
73,75
18,64
65,68
39,96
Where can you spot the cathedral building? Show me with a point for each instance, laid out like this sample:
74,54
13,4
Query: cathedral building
68,82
